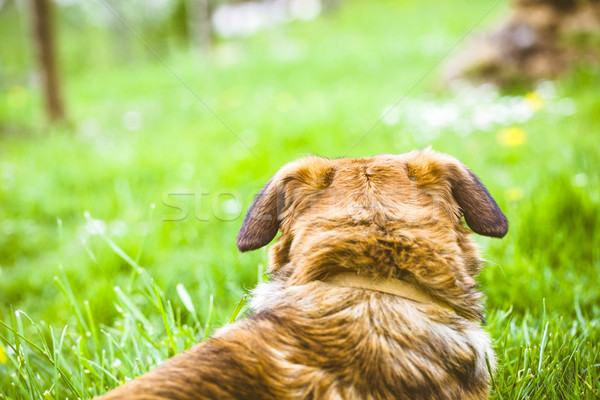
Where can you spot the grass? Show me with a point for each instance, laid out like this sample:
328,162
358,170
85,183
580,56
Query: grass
101,279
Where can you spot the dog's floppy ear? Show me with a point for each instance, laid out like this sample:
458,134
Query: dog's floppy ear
285,190
262,219
481,211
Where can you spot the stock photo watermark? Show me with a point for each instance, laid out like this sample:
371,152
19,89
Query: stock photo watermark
201,204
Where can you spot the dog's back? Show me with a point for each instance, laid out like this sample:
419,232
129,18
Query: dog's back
357,344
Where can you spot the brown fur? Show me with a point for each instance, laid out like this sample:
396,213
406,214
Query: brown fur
387,216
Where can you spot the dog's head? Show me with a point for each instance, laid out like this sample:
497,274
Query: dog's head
385,210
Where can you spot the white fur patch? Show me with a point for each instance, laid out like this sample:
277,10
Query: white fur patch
265,296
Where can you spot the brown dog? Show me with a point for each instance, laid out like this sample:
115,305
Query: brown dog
372,293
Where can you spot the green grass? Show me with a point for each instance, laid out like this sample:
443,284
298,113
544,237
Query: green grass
99,307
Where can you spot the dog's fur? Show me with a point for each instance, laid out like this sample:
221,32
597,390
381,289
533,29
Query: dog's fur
390,217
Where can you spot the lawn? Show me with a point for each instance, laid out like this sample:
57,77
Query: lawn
117,231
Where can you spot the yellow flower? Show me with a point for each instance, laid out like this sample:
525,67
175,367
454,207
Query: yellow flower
3,357
514,194
534,101
514,136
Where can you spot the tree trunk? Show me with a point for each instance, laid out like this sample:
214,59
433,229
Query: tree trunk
200,24
46,58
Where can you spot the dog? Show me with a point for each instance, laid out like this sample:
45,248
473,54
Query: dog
372,292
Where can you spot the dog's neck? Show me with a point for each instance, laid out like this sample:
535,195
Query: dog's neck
443,275
391,286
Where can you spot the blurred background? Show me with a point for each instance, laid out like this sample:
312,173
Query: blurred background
134,135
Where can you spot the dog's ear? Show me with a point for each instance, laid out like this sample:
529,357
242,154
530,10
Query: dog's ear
262,219
481,211
285,191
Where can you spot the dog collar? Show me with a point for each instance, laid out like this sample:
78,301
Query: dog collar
395,287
